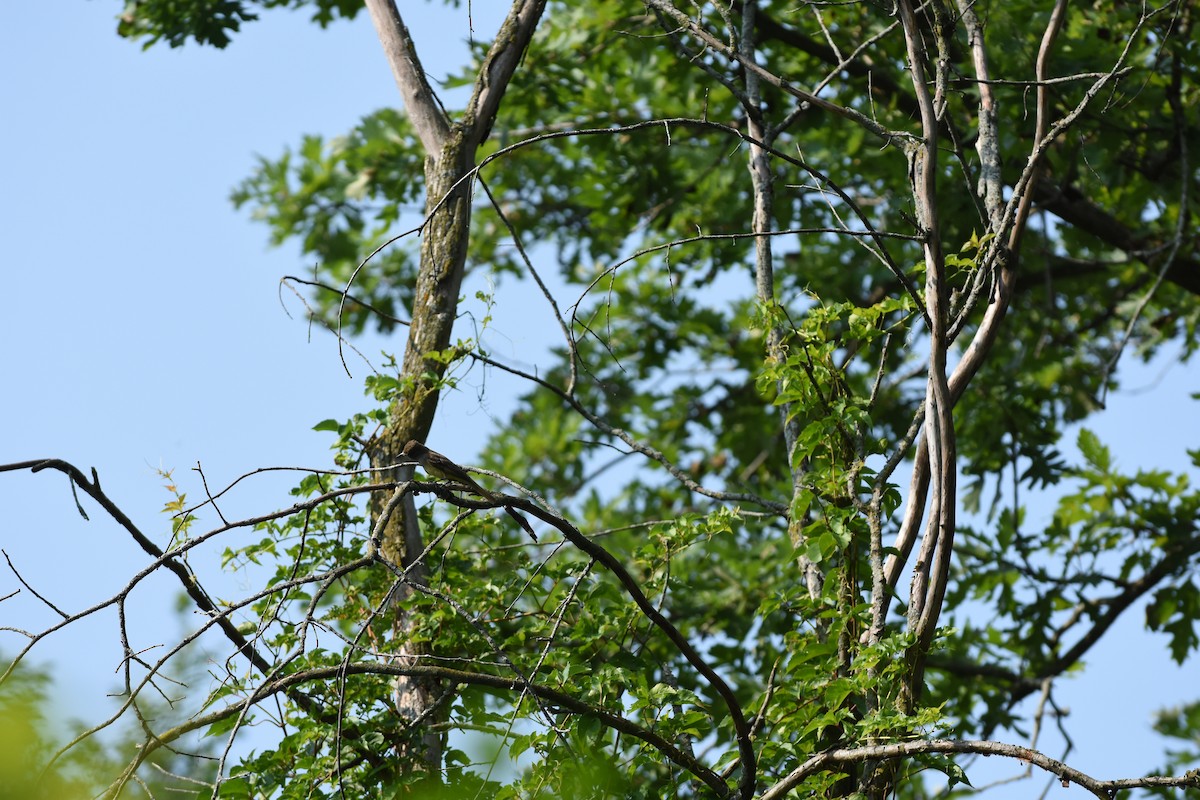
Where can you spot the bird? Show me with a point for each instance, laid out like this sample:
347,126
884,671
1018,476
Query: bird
437,465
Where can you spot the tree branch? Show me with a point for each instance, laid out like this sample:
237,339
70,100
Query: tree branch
498,67
1104,790
424,112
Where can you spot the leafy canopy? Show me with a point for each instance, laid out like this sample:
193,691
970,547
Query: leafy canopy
738,396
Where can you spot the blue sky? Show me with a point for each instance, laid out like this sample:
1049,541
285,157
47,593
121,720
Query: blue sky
143,327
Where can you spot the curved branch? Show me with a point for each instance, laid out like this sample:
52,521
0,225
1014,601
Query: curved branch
1105,790
931,572
877,237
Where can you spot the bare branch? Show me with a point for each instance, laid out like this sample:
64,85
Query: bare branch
33,591
499,64
930,574
1104,790
424,112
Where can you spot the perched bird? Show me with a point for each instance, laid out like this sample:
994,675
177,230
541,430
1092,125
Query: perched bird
437,465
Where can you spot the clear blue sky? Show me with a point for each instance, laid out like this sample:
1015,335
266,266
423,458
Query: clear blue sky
142,327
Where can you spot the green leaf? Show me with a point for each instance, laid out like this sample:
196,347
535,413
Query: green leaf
1096,454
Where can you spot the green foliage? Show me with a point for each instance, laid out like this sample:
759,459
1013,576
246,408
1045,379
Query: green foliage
211,22
321,194
1114,535
1182,726
207,21
782,405
36,761
26,745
